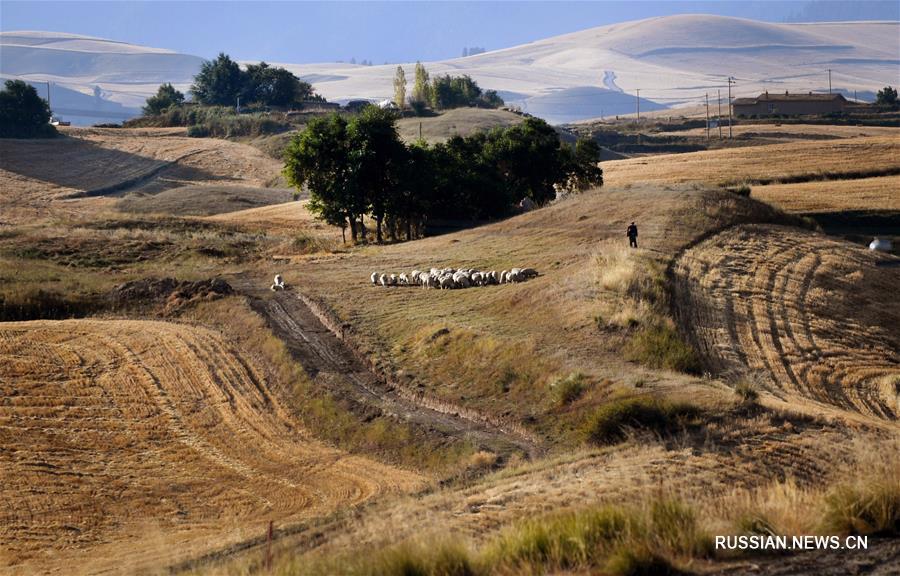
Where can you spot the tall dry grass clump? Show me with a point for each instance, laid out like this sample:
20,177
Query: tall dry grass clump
634,296
651,538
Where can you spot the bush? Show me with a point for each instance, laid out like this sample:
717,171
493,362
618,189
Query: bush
612,421
660,346
569,389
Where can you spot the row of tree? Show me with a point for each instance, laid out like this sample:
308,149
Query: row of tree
359,167
221,82
441,92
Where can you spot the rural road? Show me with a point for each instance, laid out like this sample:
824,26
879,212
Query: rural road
332,364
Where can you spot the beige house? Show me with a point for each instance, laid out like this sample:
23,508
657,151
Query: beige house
789,104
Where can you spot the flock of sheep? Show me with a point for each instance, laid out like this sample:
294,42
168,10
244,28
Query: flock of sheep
449,278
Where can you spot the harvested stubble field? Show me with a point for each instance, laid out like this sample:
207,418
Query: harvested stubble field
128,443
801,314
862,195
798,161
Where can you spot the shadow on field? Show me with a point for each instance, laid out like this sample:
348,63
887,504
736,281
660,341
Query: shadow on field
90,169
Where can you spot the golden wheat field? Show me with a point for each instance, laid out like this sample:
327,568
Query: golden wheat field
812,160
163,434
834,196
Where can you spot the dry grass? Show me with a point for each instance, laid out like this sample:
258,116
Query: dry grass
456,122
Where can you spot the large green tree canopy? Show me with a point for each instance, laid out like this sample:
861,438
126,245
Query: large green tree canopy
23,114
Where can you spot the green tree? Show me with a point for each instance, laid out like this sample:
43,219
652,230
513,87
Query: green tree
421,87
400,88
582,166
273,86
166,97
529,159
887,96
319,158
23,114
377,154
219,82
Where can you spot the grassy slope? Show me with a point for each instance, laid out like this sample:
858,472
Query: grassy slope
460,121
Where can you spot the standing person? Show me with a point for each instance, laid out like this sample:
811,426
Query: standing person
632,234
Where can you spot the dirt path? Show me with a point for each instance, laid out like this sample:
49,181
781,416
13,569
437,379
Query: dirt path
331,363
802,314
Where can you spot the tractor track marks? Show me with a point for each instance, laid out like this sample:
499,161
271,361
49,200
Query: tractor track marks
126,443
332,364
815,317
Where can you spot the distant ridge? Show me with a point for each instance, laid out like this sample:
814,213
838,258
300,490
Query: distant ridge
673,60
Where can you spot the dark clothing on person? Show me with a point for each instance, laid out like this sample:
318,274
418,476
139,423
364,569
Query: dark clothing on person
632,235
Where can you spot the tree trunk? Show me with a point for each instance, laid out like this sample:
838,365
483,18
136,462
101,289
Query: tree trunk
353,232
409,229
378,238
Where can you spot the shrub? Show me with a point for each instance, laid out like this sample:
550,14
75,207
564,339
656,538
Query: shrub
612,421
563,541
660,346
746,392
569,389
870,506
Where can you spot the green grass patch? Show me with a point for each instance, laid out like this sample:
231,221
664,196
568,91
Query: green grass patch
569,389
871,506
660,346
611,422
617,540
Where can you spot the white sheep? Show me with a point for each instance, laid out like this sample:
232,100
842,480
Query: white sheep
375,277
278,284
383,279
503,277
447,283
404,280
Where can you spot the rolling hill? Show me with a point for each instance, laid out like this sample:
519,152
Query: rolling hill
673,60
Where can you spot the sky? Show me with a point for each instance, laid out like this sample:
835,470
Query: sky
302,32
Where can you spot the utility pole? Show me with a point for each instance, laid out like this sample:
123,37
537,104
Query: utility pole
719,117
829,80
707,116
639,105
730,82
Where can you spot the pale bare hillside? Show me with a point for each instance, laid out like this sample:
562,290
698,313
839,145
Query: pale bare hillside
810,160
804,315
36,174
590,73
131,444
